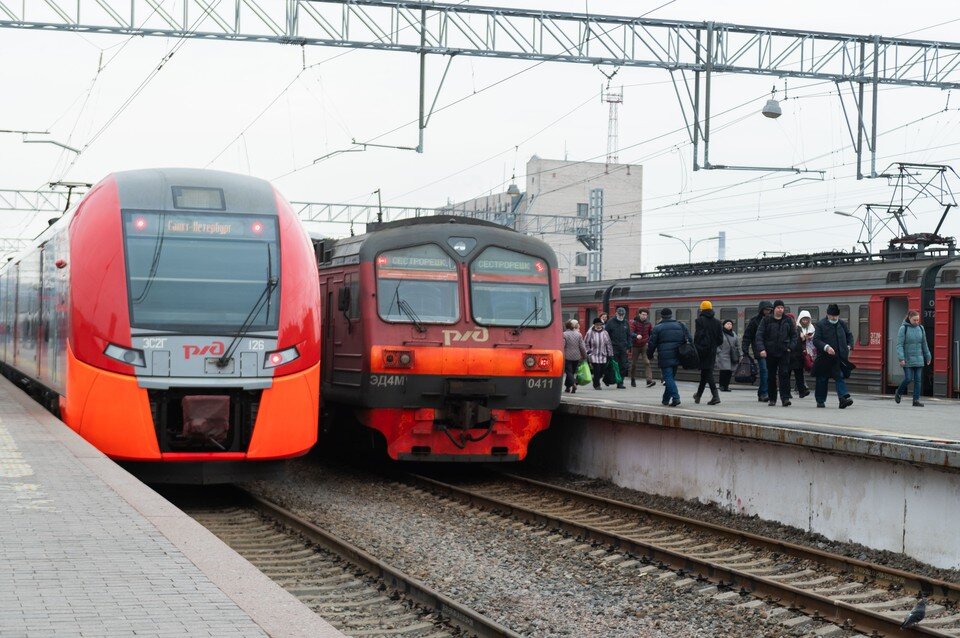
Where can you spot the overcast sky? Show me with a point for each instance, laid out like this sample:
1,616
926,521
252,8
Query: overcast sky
199,110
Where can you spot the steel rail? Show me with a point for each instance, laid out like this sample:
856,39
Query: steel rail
821,607
461,616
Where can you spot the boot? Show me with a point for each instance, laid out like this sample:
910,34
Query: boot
650,384
917,404
696,397
633,383
573,390
715,400
897,397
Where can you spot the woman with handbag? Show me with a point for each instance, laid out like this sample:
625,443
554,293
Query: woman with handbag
728,355
599,350
913,353
574,351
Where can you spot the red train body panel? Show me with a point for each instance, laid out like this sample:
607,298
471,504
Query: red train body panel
162,286
444,336
874,295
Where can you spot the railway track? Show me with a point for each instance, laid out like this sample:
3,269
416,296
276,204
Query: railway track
354,591
811,591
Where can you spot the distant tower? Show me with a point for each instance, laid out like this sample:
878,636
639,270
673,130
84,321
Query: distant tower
722,245
614,99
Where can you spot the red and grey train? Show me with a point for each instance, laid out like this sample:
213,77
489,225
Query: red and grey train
172,318
442,336
873,292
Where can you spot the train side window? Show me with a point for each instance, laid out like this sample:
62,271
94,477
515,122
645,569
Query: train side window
351,288
814,312
683,315
864,327
729,314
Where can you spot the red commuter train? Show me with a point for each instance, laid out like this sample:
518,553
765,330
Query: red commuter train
172,318
443,336
873,292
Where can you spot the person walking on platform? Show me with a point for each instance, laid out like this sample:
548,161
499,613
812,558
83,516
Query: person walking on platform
913,353
641,328
619,330
599,351
665,340
574,351
804,351
707,337
728,355
749,337
834,343
776,339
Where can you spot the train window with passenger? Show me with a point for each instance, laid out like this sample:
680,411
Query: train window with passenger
417,284
202,270
864,327
508,288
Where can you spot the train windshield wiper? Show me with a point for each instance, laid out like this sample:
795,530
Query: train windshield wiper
263,299
407,310
530,318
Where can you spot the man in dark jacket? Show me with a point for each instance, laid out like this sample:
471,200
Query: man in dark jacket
707,337
749,336
665,340
834,342
776,339
619,330
640,329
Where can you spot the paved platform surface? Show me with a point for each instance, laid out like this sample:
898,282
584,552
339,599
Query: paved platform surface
87,550
872,426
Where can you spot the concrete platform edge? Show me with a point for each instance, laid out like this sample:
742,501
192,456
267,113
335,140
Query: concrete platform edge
271,607
895,449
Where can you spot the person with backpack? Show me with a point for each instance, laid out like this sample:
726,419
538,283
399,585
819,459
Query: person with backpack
599,351
665,340
776,339
707,337
913,353
749,337
728,355
834,342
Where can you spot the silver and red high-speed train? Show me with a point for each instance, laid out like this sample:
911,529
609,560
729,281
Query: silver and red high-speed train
172,319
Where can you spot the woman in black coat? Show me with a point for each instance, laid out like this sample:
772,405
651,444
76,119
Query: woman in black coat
707,337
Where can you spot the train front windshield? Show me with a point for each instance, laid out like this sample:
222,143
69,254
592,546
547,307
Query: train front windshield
202,271
417,285
508,288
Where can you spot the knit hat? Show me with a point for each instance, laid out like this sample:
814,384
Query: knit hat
833,309
778,302
597,320
706,305
666,313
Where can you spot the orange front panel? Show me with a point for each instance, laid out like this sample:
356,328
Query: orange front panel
483,362
288,417
110,411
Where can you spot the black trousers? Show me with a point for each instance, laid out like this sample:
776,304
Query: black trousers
725,376
706,378
799,381
597,370
778,370
570,368
620,356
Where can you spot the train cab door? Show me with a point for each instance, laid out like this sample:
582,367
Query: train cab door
895,310
955,347
326,348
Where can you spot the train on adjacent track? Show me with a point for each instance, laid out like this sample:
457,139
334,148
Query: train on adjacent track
874,294
442,337
172,318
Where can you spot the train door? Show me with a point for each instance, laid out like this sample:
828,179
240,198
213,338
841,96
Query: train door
326,348
895,312
955,347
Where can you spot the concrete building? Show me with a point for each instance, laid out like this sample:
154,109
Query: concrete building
560,187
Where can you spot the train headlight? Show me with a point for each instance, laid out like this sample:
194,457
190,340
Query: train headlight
130,356
280,357
397,359
537,361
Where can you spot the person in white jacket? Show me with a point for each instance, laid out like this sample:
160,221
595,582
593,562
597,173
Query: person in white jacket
805,349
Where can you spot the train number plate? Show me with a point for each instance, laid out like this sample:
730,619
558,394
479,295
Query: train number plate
387,380
540,384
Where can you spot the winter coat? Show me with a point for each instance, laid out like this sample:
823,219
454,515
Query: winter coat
837,336
728,354
574,348
804,341
912,346
641,331
750,332
599,348
707,337
665,340
619,332
775,337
